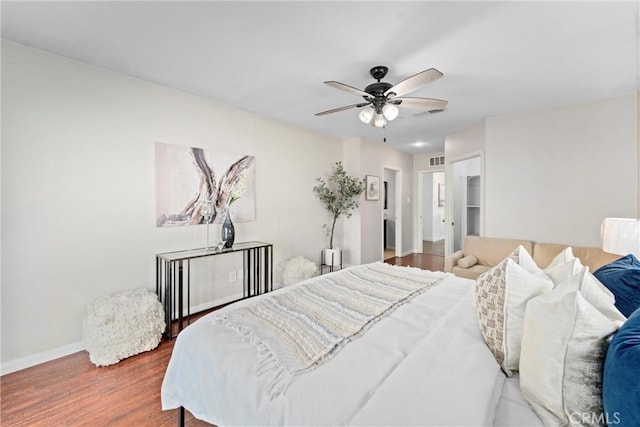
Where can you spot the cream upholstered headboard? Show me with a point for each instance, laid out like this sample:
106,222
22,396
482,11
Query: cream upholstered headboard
594,258
490,251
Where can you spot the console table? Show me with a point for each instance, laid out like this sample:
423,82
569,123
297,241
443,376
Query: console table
173,275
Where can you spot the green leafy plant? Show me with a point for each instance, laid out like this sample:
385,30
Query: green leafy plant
339,194
239,190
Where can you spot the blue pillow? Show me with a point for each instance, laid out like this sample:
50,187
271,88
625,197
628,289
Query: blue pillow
621,378
622,277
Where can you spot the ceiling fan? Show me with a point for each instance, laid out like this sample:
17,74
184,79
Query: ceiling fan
382,99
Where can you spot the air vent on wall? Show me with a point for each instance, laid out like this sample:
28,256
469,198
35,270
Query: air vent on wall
436,161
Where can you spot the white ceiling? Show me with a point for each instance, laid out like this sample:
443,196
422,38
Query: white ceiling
271,57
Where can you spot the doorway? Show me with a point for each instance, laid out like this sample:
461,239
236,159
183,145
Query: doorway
465,210
391,213
430,235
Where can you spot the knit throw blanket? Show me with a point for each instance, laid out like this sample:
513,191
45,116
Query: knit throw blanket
296,330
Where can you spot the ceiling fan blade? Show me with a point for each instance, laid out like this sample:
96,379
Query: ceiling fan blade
347,88
414,82
348,107
420,103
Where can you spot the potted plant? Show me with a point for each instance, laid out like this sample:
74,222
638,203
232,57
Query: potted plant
339,194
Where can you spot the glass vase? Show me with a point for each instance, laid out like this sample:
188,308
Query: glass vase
207,213
228,232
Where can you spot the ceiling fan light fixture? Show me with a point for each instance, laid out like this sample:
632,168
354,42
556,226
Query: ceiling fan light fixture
390,111
366,115
379,120
382,99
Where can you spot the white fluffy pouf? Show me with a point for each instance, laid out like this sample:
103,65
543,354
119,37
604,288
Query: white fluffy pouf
297,269
121,325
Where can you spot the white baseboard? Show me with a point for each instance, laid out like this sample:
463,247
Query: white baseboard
36,359
49,355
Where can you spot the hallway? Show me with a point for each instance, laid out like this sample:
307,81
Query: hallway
433,248
432,257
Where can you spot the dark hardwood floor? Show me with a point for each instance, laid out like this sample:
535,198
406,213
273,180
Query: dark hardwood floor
431,258
424,261
71,391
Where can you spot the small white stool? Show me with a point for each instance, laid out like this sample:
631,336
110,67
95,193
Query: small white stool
296,270
122,325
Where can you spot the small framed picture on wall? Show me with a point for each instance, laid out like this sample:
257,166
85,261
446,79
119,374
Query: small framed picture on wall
373,187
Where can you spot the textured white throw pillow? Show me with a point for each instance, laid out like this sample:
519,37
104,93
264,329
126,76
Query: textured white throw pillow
501,297
566,265
559,260
564,341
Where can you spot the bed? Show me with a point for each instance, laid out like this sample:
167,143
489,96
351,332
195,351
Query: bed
422,362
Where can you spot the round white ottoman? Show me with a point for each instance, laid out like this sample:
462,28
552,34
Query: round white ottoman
121,325
297,269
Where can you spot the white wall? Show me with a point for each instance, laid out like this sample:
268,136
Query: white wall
352,232
553,175
373,157
427,202
461,144
78,202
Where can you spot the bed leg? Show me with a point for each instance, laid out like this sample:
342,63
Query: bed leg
181,417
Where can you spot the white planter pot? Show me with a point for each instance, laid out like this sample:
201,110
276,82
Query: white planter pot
332,256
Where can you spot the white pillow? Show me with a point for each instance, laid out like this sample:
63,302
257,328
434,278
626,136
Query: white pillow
564,341
565,265
501,297
526,261
559,260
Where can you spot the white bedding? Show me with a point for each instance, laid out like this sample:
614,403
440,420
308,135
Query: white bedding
424,364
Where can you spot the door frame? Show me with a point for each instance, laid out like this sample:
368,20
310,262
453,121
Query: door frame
417,238
449,208
398,211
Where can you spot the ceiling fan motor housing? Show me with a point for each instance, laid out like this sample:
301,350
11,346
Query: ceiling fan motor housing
377,89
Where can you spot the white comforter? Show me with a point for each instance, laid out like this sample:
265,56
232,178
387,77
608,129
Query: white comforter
424,364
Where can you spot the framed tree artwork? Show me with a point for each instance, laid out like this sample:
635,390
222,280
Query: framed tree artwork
187,177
